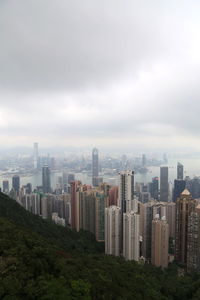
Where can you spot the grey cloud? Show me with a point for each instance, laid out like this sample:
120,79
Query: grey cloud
123,70
71,44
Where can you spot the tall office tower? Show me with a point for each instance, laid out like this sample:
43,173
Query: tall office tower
5,186
179,186
35,156
185,205
195,187
160,242
95,167
153,188
131,236
16,183
144,160
193,243
74,191
100,205
46,179
164,185
179,171
113,230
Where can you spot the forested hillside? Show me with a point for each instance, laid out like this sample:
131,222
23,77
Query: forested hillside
40,260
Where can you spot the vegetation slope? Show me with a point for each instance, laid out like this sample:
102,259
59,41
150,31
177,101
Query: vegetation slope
41,260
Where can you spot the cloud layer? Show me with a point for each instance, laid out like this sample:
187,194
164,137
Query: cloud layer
104,73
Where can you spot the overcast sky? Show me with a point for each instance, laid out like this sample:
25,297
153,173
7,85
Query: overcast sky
109,73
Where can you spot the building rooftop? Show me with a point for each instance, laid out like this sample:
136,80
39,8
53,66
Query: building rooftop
185,193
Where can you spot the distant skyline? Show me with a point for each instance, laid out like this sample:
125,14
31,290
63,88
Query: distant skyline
112,74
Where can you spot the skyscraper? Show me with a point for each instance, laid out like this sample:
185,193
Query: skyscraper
159,242
193,242
95,167
146,216
185,205
16,183
113,230
35,155
153,188
131,237
164,185
179,171
75,205
126,191
5,186
100,205
179,186
46,179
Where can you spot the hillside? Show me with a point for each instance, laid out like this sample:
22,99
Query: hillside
62,237
40,260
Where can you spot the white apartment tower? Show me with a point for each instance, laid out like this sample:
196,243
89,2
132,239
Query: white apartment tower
126,192
131,236
112,230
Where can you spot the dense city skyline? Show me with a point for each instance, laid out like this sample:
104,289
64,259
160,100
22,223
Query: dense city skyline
109,73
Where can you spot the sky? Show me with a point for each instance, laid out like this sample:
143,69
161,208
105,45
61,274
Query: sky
112,74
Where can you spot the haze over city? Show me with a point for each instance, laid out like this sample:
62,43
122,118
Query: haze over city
111,74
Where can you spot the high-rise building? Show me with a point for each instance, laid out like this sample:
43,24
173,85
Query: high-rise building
28,188
113,230
5,186
179,171
95,167
153,188
160,242
100,205
179,186
193,241
126,191
16,183
195,187
185,205
46,179
126,199
35,155
146,217
131,236
86,213
74,191
164,185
